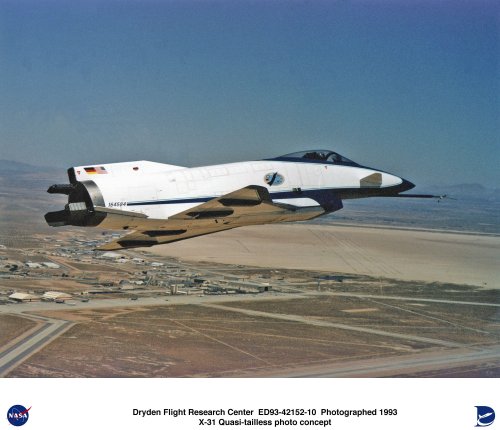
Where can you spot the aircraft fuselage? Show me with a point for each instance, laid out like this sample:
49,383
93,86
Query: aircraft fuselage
316,179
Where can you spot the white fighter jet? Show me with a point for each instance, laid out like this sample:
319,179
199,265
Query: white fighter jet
161,203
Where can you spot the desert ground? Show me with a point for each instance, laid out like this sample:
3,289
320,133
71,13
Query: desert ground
291,300
313,334
429,256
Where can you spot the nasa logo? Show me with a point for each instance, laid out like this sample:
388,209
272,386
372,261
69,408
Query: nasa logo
485,416
18,415
274,179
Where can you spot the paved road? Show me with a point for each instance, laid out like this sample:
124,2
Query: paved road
412,299
29,308
20,308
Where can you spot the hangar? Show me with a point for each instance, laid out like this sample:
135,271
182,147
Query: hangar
24,297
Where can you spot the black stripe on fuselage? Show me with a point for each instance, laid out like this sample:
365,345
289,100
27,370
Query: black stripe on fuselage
275,195
171,202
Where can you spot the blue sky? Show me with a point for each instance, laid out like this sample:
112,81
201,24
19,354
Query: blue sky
411,87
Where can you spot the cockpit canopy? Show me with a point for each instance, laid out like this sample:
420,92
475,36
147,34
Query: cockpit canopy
316,156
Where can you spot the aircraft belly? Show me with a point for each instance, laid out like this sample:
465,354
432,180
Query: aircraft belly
163,209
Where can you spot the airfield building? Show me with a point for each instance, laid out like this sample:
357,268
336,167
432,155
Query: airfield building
24,297
56,295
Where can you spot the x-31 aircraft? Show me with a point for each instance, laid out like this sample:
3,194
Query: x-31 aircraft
161,203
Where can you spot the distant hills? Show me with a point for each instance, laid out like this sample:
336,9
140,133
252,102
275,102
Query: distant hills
17,167
15,174
8,166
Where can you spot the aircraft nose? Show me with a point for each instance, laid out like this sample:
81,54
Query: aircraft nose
406,185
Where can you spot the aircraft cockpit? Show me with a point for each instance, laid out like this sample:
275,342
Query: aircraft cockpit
317,156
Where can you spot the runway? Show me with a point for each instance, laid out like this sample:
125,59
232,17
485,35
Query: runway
388,366
321,323
29,344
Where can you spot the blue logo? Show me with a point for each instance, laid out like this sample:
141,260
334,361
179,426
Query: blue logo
274,179
485,416
18,415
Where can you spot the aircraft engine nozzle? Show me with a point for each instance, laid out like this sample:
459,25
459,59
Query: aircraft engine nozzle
79,211
61,189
